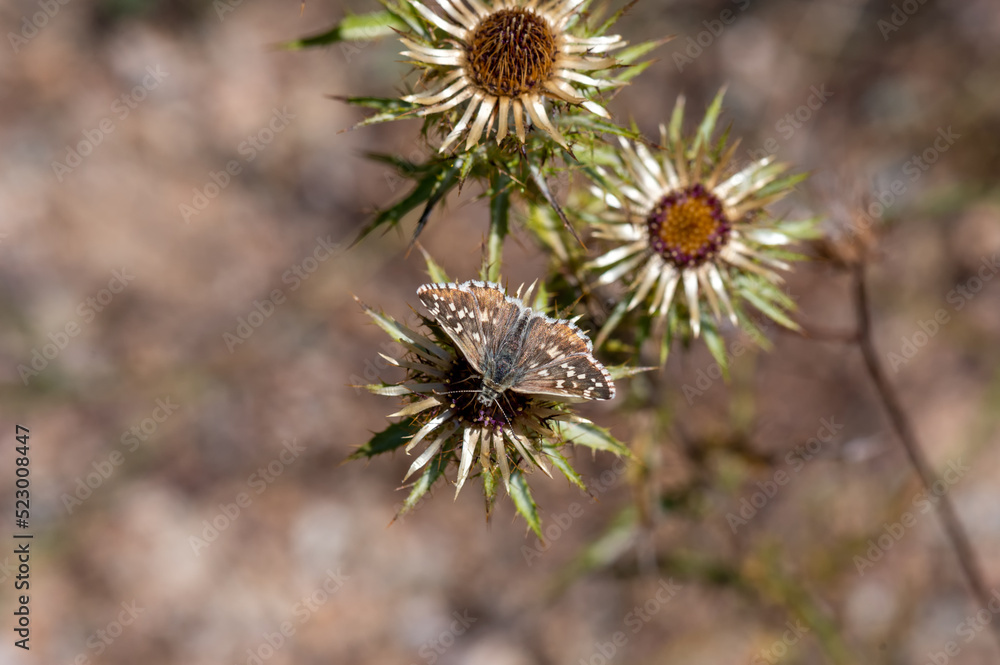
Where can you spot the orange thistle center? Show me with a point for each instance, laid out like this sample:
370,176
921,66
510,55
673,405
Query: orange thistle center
512,52
688,227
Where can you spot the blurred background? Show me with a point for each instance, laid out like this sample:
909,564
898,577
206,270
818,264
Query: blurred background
176,201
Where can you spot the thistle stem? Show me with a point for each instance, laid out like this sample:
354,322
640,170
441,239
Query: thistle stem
954,531
543,187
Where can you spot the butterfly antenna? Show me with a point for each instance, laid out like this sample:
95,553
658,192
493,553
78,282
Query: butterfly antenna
502,412
526,447
503,448
456,392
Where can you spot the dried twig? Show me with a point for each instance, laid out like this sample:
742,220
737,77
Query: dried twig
953,528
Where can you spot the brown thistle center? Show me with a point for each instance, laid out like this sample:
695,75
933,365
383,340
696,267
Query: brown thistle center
512,52
688,227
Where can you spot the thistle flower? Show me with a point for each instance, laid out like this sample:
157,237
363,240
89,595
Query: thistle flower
504,60
491,379
687,232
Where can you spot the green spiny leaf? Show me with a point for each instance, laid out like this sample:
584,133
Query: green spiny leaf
707,127
629,55
391,438
612,322
801,229
601,553
432,184
542,222
379,103
593,123
610,21
782,184
590,435
669,333
435,470
491,482
434,271
541,298
625,371
355,27
564,466
409,338
499,225
406,13
677,121
629,73
766,304
524,503
716,346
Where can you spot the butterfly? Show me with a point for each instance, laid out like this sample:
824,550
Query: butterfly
514,347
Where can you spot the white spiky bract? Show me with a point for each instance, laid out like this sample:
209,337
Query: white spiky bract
527,436
752,240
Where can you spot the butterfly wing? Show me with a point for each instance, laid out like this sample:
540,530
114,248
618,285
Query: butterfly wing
505,323
558,360
456,310
505,340
478,317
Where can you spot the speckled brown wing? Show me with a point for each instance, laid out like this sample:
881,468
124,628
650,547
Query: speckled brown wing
558,360
519,349
478,317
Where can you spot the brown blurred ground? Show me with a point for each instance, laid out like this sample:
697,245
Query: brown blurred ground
162,338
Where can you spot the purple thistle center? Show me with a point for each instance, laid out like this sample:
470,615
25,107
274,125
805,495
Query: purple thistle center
688,227
465,386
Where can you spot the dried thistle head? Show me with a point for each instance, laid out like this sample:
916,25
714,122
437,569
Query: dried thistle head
503,61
